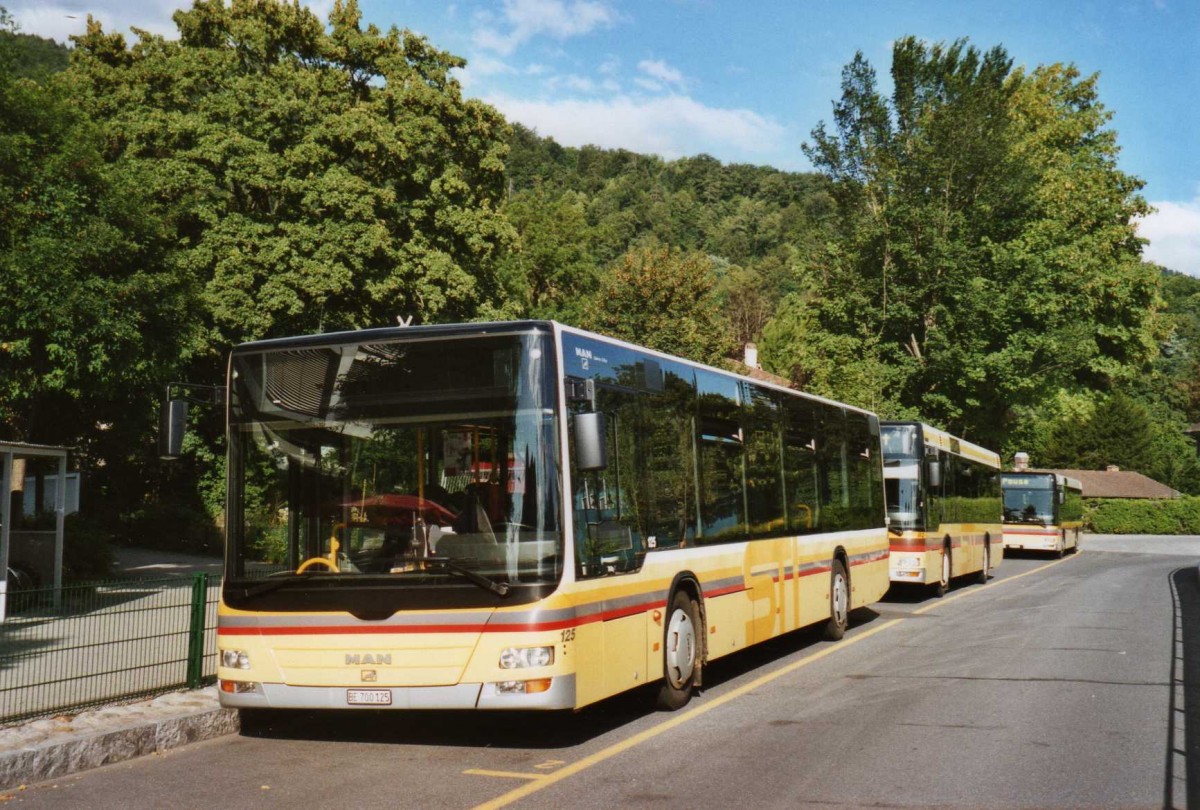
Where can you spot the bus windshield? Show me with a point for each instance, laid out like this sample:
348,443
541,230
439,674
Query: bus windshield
427,463
901,475
1029,499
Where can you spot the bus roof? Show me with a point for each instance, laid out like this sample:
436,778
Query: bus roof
714,369
952,444
500,327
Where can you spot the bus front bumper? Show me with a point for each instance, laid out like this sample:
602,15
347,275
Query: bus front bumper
560,695
1032,540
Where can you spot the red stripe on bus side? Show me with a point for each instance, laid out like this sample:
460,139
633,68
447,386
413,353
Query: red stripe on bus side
413,629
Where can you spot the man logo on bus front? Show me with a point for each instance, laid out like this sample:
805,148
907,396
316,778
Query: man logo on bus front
367,659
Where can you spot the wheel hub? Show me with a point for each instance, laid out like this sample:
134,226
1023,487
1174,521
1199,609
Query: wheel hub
681,648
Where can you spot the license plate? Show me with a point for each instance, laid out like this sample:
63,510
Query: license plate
369,697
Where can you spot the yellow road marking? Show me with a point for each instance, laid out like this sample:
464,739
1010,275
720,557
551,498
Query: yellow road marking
506,774
677,720
543,781
550,764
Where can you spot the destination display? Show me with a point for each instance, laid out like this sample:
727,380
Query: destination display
1029,481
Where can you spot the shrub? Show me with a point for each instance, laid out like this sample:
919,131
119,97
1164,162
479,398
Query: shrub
87,550
173,527
1143,516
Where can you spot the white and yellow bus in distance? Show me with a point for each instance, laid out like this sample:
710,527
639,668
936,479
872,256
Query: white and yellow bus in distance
1043,511
526,516
944,506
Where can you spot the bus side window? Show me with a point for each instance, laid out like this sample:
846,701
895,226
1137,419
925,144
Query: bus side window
801,475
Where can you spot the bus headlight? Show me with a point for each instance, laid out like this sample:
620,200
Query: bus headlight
235,659
522,657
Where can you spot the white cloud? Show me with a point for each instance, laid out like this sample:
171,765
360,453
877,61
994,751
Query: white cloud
525,19
670,126
61,19
660,70
1174,234
488,66
570,81
648,84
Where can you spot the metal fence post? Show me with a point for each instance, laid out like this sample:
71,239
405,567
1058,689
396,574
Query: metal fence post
195,658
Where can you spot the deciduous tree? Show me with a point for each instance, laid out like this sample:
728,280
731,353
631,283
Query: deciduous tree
317,178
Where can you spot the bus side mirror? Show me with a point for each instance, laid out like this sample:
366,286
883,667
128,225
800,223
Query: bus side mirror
171,427
933,472
591,450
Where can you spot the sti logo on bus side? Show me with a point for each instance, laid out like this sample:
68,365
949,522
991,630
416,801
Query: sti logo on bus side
360,659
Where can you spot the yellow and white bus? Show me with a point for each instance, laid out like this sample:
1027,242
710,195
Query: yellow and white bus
526,516
1043,511
944,506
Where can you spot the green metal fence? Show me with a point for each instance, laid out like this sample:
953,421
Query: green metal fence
105,642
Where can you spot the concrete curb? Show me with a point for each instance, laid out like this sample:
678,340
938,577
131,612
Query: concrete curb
134,735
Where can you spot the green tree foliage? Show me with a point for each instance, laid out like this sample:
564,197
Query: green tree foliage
985,251
551,272
92,317
1117,432
1130,433
663,299
315,178
758,225
29,56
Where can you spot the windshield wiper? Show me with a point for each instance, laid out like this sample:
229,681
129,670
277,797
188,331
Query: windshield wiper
474,577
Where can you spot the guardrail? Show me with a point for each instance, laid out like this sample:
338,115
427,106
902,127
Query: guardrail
105,642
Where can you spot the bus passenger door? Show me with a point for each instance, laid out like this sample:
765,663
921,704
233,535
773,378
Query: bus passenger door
763,574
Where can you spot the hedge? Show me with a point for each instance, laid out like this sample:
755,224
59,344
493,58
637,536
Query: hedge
1142,516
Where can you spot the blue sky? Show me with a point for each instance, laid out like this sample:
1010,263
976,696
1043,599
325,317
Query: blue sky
747,81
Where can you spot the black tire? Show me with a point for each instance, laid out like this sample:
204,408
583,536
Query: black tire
982,576
943,584
839,602
681,653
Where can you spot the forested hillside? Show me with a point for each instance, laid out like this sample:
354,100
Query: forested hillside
964,252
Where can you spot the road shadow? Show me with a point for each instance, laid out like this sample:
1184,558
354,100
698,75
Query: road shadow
1183,727
524,730
1035,554
904,593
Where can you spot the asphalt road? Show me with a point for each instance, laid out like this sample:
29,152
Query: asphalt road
1058,684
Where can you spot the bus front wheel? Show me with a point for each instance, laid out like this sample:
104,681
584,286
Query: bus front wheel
943,584
681,653
987,561
839,602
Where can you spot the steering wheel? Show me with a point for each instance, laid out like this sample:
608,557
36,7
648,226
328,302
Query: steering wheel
325,561
329,562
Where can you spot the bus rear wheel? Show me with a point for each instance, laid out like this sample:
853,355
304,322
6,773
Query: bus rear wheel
839,602
681,653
